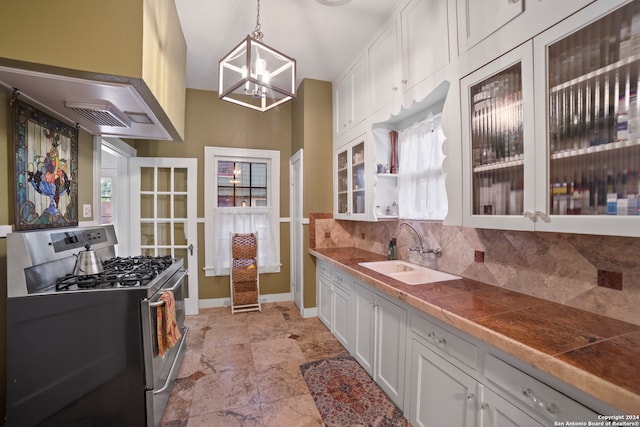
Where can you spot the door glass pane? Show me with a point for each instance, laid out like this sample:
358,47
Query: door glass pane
180,180
146,179
594,155
163,236
497,143
164,206
164,179
147,234
106,199
180,206
146,206
179,235
182,253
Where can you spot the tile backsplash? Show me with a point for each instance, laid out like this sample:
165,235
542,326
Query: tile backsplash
563,268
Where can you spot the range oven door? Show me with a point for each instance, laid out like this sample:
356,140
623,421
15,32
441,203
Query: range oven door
161,371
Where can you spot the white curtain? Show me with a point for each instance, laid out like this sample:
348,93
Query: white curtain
421,189
228,220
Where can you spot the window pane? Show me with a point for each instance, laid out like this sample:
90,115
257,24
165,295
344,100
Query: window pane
242,184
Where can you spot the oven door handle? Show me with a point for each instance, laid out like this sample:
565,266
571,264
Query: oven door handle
167,383
176,286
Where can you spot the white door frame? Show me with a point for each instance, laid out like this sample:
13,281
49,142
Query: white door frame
124,152
296,229
191,226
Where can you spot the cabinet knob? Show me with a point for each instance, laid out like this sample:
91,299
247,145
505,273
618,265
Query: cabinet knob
471,397
404,81
484,405
395,88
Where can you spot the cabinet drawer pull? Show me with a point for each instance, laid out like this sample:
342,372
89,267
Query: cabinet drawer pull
471,397
484,405
551,408
441,341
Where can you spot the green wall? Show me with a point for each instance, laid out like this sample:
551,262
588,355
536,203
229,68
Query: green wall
312,132
215,123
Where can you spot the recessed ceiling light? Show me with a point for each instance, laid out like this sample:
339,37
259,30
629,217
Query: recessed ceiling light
333,2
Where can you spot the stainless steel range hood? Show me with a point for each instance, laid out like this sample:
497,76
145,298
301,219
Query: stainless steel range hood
102,105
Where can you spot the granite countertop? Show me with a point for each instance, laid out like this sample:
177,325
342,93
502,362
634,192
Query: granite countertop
596,354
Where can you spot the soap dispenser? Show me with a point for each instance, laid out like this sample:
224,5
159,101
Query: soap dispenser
392,250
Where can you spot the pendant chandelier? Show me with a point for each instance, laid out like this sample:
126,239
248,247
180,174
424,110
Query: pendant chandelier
255,75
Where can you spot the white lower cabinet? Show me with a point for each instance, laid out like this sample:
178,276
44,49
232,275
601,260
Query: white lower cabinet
363,323
440,394
434,372
334,295
340,322
379,339
323,289
390,345
498,412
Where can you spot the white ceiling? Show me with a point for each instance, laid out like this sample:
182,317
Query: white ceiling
323,39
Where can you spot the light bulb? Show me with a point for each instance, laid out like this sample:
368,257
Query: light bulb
261,66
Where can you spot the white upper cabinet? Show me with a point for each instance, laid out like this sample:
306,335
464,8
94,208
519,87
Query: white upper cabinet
403,54
551,130
496,26
423,52
383,67
478,19
352,180
498,143
351,98
587,70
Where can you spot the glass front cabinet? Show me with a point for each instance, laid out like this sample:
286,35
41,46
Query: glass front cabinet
351,180
498,156
570,161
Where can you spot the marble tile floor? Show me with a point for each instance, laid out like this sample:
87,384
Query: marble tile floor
242,369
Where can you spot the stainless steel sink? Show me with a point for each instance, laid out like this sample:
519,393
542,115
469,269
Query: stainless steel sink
408,273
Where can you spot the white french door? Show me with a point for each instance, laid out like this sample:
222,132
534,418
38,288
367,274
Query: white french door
163,214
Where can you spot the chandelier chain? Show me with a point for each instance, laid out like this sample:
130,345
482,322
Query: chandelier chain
257,33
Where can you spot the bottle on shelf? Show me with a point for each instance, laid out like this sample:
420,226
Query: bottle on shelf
622,120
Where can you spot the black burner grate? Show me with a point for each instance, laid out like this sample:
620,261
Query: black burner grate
118,272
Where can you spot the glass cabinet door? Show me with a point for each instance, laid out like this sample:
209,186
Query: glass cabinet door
496,143
498,154
593,123
358,179
342,163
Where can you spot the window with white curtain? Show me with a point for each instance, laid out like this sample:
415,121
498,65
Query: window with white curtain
242,195
421,186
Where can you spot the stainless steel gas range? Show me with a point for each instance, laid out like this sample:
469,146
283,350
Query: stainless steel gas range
82,349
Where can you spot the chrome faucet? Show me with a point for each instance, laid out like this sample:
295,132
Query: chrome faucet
420,248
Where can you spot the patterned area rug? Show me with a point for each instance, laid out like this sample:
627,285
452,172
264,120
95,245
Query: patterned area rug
347,396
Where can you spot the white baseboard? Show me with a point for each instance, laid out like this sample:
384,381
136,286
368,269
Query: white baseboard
309,312
225,302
